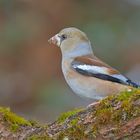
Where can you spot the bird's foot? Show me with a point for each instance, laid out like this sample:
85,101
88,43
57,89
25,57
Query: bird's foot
93,104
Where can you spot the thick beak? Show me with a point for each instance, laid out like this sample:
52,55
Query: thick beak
56,40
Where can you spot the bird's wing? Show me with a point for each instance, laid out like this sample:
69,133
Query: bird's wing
92,66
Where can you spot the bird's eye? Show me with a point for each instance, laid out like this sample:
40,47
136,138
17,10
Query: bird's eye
63,36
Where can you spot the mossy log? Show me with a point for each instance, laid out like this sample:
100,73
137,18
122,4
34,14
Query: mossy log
113,118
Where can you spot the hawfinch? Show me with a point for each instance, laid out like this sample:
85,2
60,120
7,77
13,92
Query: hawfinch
86,74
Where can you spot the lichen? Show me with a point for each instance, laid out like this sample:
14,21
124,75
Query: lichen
13,120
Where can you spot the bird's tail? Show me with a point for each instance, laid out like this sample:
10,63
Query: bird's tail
133,84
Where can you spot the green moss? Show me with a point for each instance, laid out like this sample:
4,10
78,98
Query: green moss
34,123
124,96
113,110
104,115
107,112
36,137
74,122
66,115
129,95
76,132
13,120
128,109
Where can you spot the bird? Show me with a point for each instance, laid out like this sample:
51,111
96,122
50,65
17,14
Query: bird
87,75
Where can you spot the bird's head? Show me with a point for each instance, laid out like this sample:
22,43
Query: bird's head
69,39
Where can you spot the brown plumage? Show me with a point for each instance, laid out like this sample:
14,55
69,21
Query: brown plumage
94,61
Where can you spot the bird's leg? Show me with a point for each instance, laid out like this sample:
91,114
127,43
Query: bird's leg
93,104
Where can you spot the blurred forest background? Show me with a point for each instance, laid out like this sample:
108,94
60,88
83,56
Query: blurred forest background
31,81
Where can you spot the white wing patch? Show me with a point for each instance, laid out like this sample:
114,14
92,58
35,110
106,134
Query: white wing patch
99,70
92,69
119,76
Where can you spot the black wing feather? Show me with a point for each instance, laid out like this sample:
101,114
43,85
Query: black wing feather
104,76
98,75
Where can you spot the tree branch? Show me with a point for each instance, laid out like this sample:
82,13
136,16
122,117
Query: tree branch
114,118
